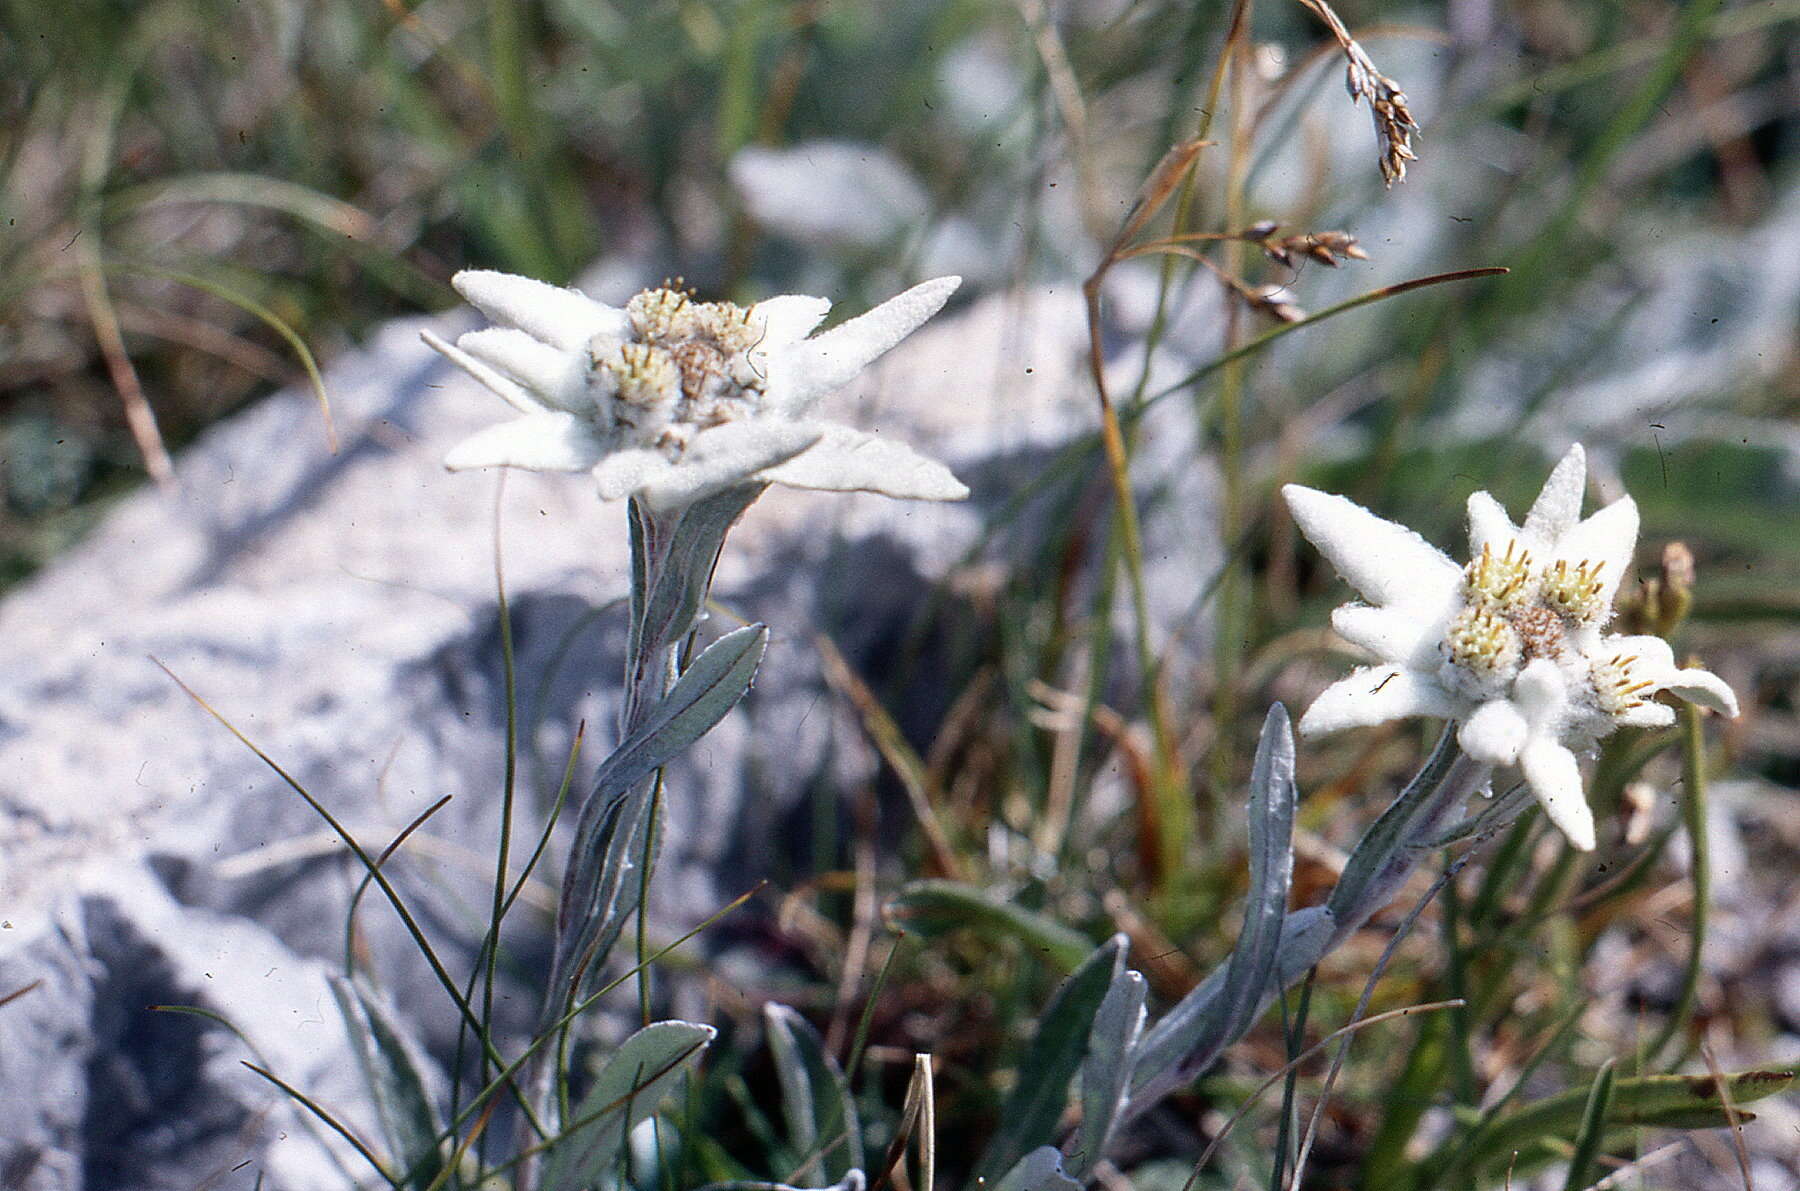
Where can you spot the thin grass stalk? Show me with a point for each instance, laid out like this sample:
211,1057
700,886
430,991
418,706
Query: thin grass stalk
1177,813
1316,1048
491,939
362,886
336,1126
1692,22
1459,1046
1261,341
1593,1130
462,1148
105,320
1231,601
508,1075
405,914
1693,819
307,1121
860,1041
1453,1004
508,782
1184,197
1293,1033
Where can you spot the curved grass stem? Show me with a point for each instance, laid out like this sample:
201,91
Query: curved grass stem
1693,818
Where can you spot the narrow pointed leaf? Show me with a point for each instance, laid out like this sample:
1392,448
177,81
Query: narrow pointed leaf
1040,1170
1387,852
815,1098
409,1122
670,609
1028,1119
1667,1101
629,1087
1106,1072
1593,1130
601,887
1164,177
1218,1013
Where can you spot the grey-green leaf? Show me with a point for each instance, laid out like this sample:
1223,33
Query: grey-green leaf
1028,1119
686,561
1040,1170
601,888
391,1072
815,1098
629,1087
1191,1036
1106,1072
1271,815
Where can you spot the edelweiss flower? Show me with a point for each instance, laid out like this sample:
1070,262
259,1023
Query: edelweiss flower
1512,645
672,400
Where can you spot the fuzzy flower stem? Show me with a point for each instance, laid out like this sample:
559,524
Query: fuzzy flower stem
673,554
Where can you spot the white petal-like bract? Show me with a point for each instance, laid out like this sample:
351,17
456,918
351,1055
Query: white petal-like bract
787,319
1520,630
563,318
734,453
846,460
802,373
537,442
1388,563
1374,695
1495,733
671,399
1558,506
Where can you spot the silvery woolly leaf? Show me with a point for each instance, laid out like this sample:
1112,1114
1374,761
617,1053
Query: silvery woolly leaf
815,1098
1191,1036
601,888
1029,1117
628,1088
1379,864
1271,818
1040,1170
390,1070
1106,1072
685,543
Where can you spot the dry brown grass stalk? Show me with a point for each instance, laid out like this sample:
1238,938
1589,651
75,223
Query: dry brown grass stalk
1394,123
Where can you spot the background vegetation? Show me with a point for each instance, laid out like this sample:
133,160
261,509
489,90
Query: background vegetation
201,195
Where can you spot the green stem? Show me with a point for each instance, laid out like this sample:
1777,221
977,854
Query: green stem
1693,818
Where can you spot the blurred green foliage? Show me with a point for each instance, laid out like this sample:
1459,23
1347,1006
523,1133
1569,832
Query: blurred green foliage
335,161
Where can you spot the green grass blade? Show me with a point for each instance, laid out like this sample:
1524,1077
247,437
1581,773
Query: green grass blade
1593,1130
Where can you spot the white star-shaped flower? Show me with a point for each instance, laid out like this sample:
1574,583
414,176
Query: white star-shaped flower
671,400
1512,646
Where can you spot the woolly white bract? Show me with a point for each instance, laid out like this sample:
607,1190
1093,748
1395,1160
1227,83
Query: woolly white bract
671,400
1512,645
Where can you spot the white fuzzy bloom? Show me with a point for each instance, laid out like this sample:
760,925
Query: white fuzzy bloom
1511,646
672,400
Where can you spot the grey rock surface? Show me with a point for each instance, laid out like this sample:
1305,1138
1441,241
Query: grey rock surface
340,610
